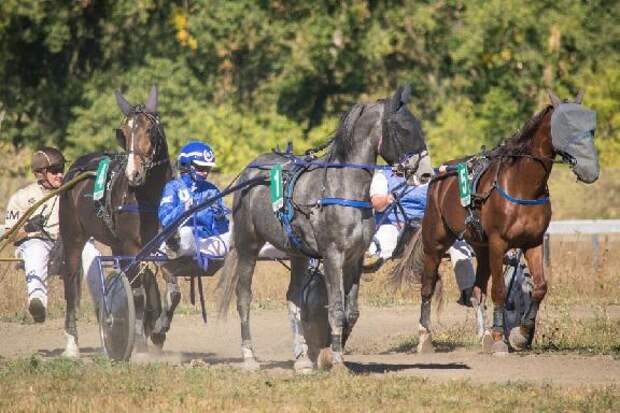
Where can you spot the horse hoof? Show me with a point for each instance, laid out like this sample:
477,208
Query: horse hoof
340,368
72,350
325,361
487,342
303,365
158,340
500,348
250,364
425,346
518,341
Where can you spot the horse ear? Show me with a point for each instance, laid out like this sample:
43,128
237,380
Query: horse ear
579,97
405,95
395,100
122,103
151,103
555,101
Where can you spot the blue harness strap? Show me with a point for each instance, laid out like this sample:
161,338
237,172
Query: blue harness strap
287,213
352,203
518,201
136,209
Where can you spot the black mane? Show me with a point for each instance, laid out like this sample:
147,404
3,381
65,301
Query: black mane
342,140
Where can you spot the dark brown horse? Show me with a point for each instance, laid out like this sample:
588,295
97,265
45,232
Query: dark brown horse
127,218
513,210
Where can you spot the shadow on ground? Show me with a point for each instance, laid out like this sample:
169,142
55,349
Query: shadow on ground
359,368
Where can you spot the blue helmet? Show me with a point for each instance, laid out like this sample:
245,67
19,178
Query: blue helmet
197,153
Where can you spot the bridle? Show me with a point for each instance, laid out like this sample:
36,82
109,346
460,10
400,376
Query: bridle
156,137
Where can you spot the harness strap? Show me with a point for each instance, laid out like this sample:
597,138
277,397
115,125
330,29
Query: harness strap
351,203
136,209
519,201
286,215
306,163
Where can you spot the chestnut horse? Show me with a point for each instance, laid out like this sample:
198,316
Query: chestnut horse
513,211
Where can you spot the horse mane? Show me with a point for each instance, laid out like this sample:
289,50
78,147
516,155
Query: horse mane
342,139
518,143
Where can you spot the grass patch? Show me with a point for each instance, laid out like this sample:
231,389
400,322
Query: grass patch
56,385
563,332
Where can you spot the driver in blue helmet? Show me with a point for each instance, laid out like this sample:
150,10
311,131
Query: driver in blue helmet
207,229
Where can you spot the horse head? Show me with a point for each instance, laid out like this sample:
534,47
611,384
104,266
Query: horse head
572,136
142,137
403,143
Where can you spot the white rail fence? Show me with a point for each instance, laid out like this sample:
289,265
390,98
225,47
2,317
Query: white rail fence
593,227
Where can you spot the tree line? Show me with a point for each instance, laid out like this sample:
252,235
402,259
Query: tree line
247,75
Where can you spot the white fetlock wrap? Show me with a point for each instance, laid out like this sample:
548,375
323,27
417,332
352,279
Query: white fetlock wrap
247,353
487,342
426,341
249,360
303,364
72,350
300,347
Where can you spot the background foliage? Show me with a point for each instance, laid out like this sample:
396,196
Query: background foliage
250,74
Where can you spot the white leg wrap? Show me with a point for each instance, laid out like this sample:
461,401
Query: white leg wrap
300,348
72,349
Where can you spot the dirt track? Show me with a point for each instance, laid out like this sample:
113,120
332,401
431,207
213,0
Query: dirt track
373,348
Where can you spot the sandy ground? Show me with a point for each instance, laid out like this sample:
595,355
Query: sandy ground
372,349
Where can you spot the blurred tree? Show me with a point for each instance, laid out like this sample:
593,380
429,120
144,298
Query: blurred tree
250,74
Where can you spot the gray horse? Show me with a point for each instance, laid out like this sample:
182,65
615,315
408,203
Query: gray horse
337,234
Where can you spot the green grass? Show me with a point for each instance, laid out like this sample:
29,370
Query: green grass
57,385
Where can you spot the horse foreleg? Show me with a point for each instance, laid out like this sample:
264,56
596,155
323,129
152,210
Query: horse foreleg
352,312
521,337
429,281
153,309
479,293
246,261
333,264
497,249
172,297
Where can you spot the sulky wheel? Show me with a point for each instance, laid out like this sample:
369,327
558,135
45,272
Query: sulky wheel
117,317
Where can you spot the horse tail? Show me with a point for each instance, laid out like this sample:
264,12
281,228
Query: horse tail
410,269
227,283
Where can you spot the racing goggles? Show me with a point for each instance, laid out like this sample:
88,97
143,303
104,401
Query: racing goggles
201,168
55,169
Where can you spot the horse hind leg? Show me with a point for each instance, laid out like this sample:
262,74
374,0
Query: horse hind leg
294,296
153,309
521,337
314,317
497,249
478,299
172,297
244,265
429,281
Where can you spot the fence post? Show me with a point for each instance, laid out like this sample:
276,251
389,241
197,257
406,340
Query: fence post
596,251
546,255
